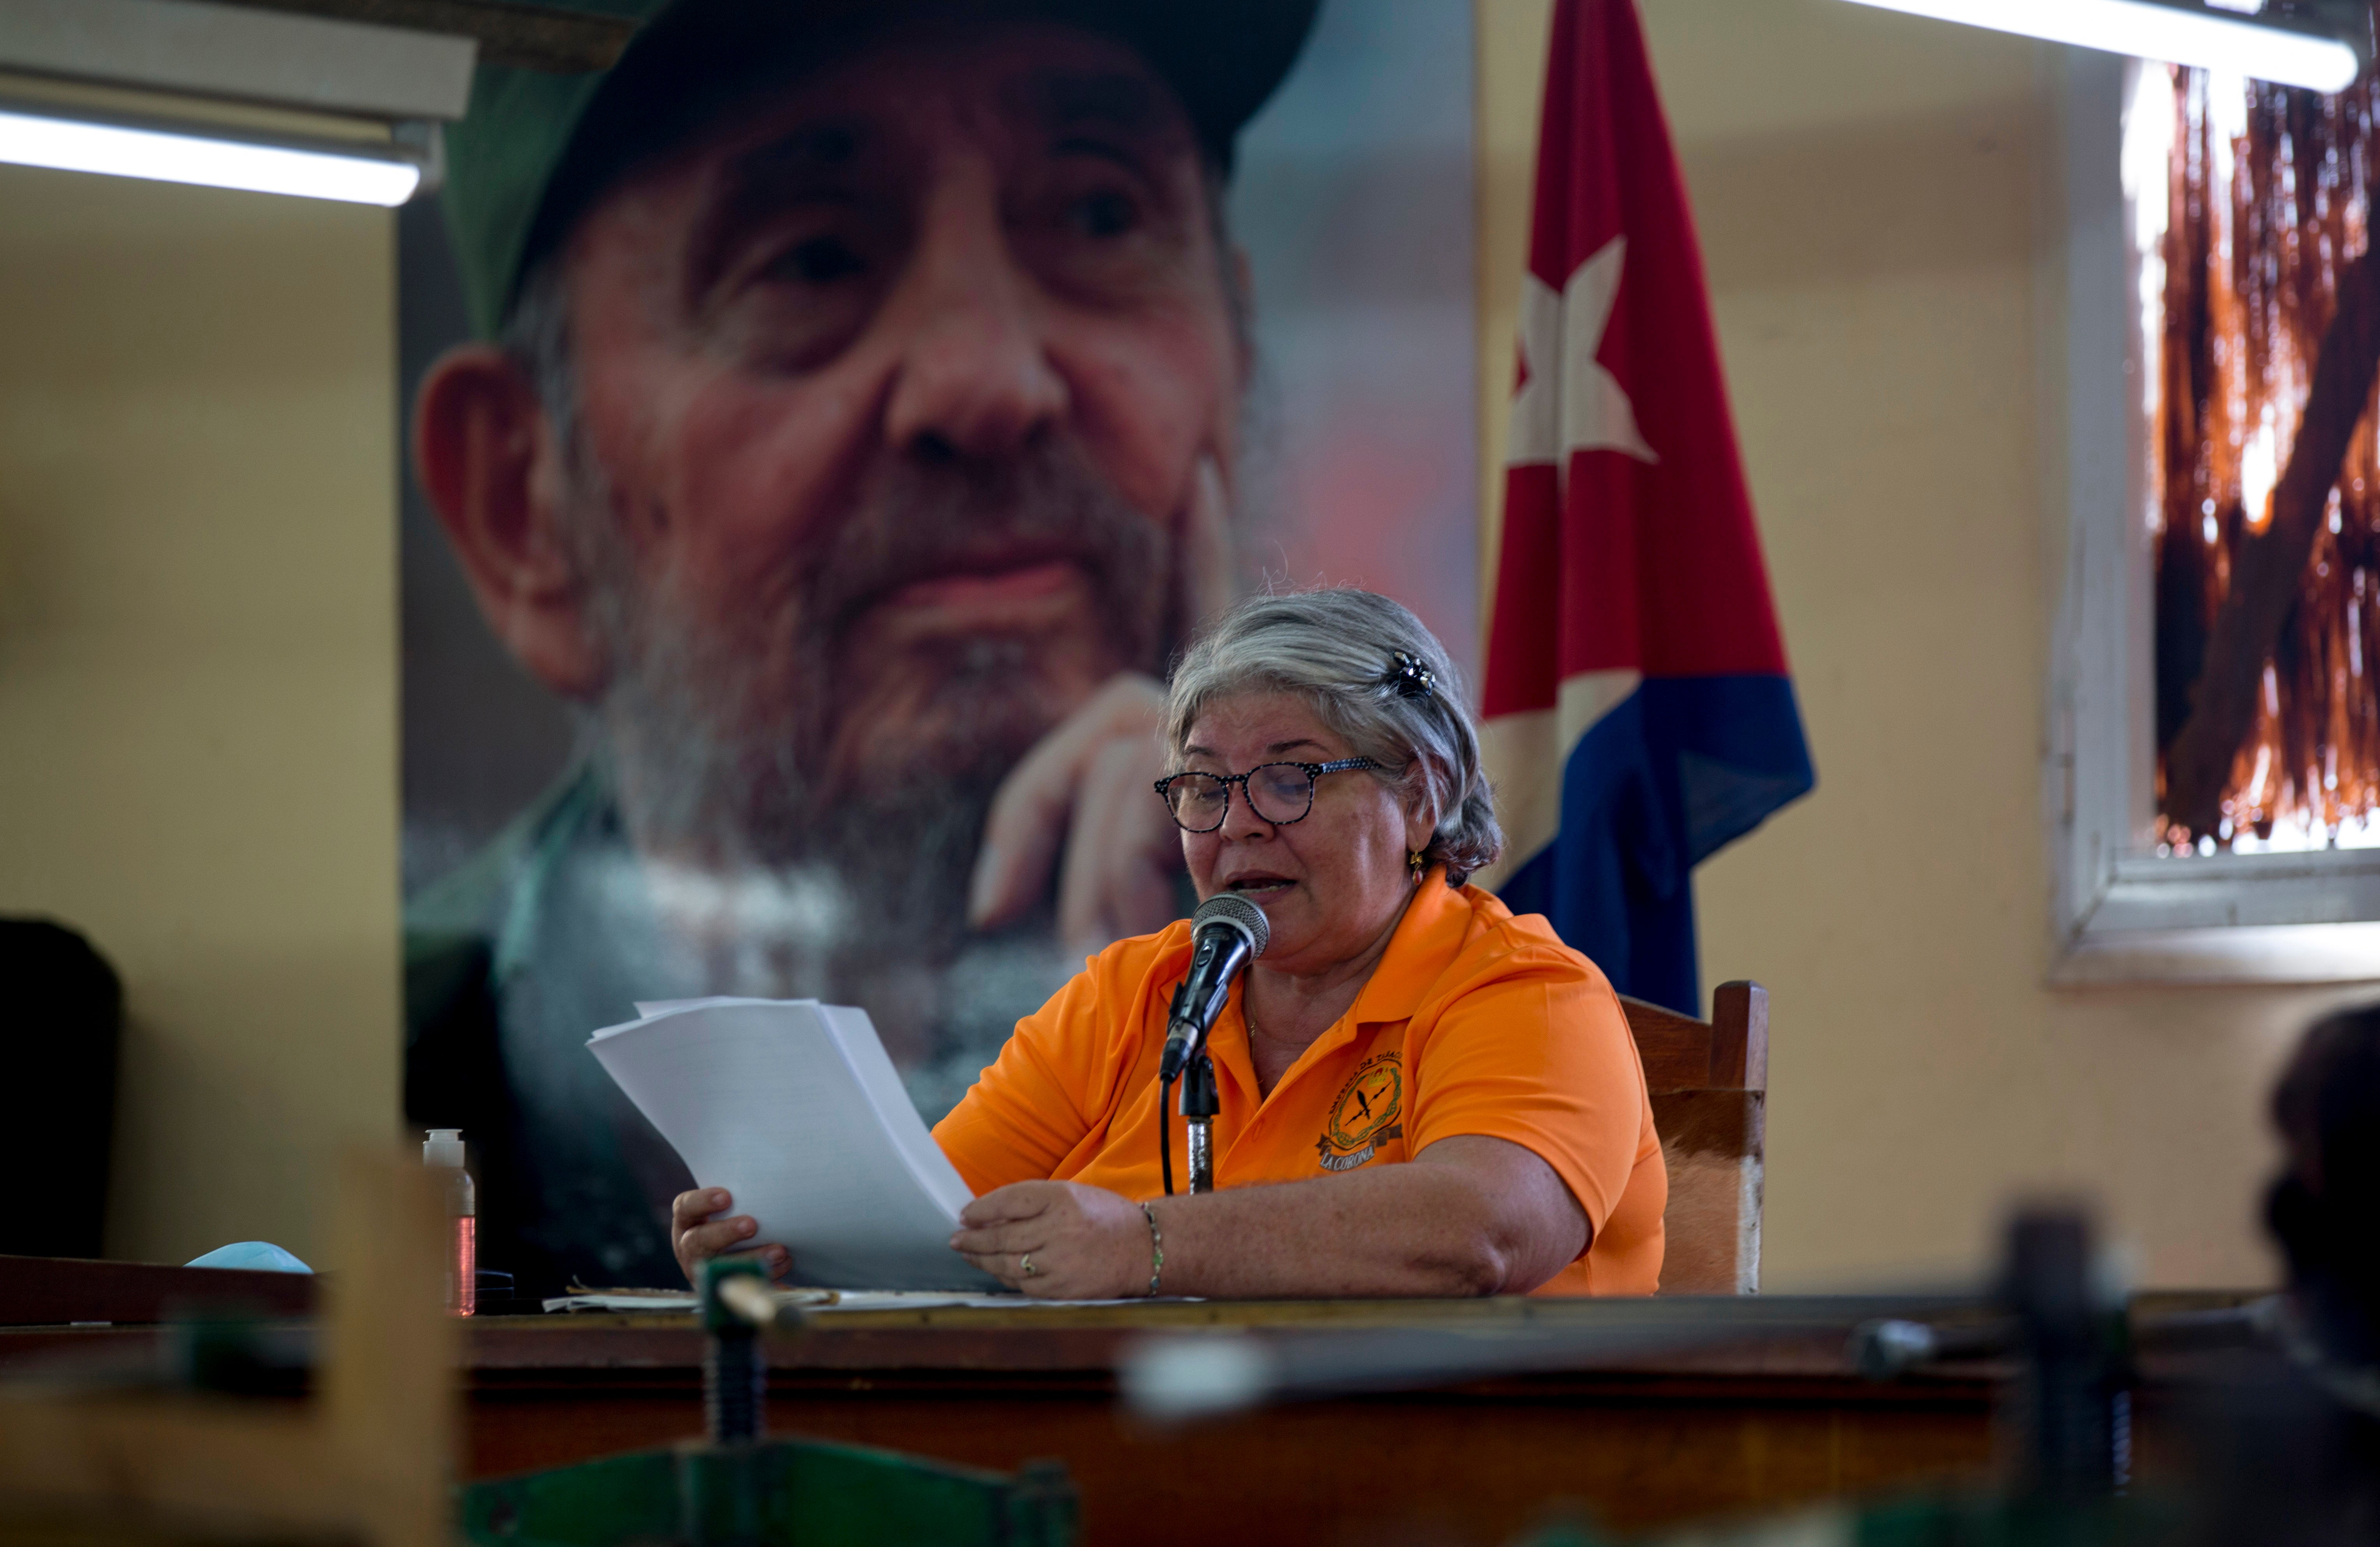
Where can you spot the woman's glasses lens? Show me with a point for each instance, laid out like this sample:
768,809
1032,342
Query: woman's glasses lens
1280,792
1197,801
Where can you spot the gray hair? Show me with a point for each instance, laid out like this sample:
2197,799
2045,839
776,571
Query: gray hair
1337,650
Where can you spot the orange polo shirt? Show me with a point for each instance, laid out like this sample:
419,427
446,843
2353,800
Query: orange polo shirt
1474,1021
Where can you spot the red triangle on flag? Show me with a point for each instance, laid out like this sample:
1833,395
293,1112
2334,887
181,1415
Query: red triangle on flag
1628,542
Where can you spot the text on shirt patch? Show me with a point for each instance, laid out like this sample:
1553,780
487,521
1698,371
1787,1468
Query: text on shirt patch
1365,1116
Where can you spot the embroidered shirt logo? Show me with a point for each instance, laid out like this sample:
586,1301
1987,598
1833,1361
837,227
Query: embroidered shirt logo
1364,1116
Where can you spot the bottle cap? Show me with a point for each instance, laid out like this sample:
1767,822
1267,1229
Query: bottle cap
444,1147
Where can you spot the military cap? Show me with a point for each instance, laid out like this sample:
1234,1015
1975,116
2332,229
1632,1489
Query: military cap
538,147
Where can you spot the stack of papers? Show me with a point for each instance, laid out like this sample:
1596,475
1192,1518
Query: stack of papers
813,1303
793,1106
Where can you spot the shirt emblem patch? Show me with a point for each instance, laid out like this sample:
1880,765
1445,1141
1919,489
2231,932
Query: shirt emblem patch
1365,1116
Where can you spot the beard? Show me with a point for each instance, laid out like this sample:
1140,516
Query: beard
805,831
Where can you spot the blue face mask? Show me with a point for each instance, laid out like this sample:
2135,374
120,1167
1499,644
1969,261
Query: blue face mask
256,1256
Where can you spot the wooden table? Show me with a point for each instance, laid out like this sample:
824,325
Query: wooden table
1642,1412
1772,1419
1761,1411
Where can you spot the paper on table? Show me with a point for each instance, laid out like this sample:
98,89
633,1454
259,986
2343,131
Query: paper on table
829,1302
794,1109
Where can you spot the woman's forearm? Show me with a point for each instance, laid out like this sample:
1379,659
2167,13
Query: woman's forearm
1477,1220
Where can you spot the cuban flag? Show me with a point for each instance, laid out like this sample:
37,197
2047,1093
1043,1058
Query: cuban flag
1638,714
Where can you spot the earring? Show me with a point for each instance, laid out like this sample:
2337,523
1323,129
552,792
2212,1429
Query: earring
1413,863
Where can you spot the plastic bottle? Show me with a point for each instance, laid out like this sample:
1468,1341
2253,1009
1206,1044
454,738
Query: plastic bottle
444,1151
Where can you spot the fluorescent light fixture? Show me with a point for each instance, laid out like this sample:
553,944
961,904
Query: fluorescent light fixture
238,53
76,145
253,96
2172,33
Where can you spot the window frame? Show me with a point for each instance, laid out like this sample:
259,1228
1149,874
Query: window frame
2120,913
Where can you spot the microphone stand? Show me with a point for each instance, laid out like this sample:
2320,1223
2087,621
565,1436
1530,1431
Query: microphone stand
1199,1106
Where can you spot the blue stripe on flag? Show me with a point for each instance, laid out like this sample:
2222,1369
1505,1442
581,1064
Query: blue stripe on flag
1676,770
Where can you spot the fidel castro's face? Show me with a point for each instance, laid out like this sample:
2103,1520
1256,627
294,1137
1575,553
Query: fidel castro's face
925,269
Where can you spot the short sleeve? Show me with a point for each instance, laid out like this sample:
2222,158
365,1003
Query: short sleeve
1539,1054
1027,1112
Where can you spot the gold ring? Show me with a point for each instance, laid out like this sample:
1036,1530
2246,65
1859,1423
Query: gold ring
1026,1262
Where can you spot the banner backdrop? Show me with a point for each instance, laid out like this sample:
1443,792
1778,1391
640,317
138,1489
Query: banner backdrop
732,770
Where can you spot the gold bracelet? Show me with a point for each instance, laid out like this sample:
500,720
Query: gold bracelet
1156,1249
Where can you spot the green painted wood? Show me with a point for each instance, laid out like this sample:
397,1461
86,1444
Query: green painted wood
776,1494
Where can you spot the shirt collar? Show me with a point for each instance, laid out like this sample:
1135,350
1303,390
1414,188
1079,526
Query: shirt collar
1425,944
578,812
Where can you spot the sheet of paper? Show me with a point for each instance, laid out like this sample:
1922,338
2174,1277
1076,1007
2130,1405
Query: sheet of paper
793,1107
890,1300
829,1302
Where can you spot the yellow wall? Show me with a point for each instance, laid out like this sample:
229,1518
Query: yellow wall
197,673
1877,196
198,658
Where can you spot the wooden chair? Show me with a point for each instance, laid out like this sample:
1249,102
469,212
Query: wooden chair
1709,1084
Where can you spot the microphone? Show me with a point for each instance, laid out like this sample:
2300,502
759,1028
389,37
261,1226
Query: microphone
1226,934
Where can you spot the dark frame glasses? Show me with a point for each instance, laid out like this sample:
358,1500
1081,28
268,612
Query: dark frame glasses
1175,790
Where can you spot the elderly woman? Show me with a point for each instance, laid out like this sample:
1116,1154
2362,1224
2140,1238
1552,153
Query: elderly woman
1421,1093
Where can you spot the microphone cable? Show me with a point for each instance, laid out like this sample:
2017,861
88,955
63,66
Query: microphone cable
1165,1134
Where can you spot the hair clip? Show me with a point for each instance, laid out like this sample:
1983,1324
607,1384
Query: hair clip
1410,678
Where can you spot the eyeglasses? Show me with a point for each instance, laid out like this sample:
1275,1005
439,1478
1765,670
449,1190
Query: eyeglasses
1278,792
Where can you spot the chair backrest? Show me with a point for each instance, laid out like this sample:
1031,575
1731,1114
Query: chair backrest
1709,1084
61,1038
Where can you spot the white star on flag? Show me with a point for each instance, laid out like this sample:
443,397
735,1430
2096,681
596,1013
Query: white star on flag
1569,403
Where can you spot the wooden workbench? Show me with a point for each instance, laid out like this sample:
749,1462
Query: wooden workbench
1767,1417
1639,1442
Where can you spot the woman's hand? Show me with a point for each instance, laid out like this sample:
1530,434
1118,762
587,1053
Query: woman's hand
1086,1242
696,1234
